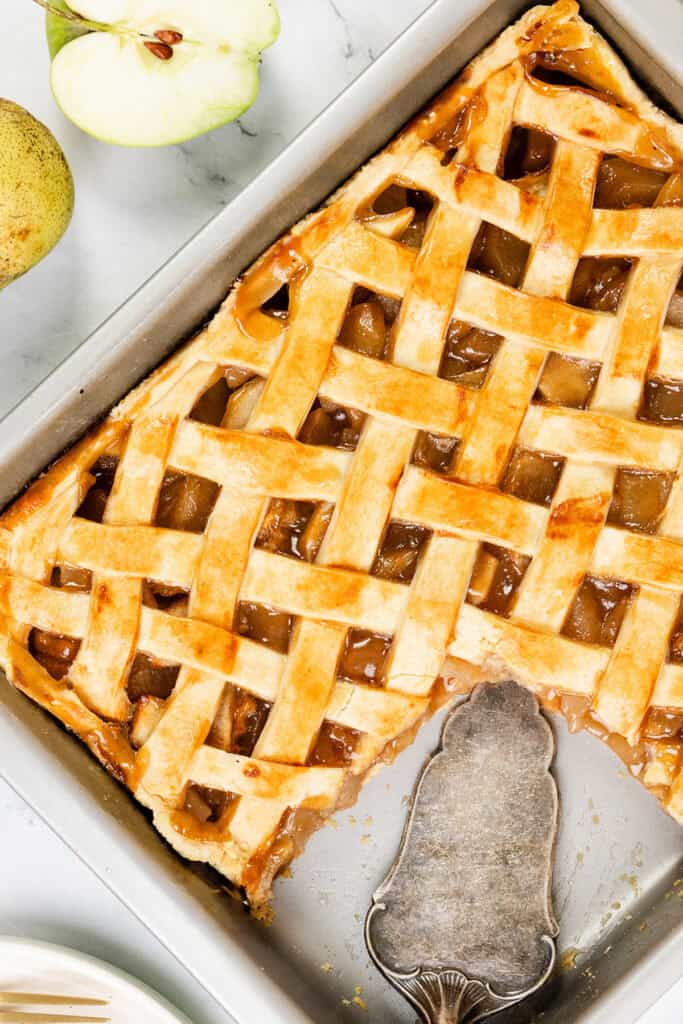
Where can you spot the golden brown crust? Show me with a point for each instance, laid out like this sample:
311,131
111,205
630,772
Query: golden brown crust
165,746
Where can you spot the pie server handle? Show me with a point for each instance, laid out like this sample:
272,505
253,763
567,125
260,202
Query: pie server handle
462,925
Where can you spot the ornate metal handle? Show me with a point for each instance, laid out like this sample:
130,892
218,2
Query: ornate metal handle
447,996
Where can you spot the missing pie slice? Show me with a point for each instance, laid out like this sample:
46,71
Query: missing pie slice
432,436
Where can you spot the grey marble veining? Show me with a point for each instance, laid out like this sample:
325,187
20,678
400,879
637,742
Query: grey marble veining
135,207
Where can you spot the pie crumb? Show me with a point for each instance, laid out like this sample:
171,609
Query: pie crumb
568,958
358,999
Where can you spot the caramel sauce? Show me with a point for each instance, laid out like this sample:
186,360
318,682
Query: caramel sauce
111,747
676,641
190,823
663,724
572,68
390,200
672,191
286,263
449,136
548,71
579,716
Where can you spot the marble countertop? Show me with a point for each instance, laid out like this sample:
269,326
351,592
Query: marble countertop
134,209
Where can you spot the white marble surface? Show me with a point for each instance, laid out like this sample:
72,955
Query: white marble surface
134,209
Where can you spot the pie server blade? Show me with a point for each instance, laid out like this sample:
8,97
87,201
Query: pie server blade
463,924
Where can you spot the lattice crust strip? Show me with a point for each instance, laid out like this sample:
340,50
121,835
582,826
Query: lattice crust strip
193,588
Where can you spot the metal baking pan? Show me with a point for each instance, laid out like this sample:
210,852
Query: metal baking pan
618,854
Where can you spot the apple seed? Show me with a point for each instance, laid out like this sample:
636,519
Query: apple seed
161,50
169,36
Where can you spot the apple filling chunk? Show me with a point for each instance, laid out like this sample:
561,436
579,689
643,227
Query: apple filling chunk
640,498
335,746
399,551
567,381
662,401
495,579
598,611
622,184
499,254
55,652
367,324
468,353
264,624
101,475
434,451
149,677
71,577
210,407
532,476
333,425
400,212
185,502
249,717
599,283
364,656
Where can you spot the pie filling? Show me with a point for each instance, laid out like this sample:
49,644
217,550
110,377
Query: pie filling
296,529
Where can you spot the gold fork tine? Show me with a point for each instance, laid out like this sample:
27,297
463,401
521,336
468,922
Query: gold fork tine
43,999
20,1017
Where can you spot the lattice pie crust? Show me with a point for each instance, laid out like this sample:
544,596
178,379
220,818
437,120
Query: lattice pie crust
432,436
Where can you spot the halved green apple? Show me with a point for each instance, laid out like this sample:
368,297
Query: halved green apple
156,72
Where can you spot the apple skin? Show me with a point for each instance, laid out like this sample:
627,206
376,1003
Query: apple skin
59,31
114,89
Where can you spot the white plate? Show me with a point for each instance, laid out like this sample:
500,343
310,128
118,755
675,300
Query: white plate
39,967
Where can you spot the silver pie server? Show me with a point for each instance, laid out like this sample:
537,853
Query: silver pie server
463,924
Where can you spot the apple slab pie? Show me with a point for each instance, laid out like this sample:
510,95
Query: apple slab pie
433,436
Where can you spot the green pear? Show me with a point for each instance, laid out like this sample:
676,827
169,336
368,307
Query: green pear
36,191
156,72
